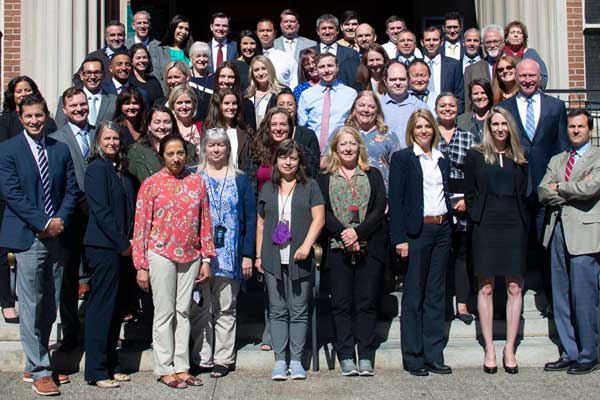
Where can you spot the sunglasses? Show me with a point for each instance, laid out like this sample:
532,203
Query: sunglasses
507,68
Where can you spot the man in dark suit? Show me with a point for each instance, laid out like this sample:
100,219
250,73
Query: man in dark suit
452,46
101,105
115,40
407,48
493,43
348,59
78,135
119,77
446,72
221,49
39,186
542,124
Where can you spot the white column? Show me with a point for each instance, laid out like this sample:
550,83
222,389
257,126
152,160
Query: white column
546,23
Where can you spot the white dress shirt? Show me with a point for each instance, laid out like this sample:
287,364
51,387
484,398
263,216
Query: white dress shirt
448,50
434,203
285,65
522,106
215,50
119,86
391,50
332,48
436,72
233,140
284,249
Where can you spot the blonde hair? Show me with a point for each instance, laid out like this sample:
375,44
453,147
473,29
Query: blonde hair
379,119
412,124
513,151
180,90
275,86
216,135
181,66
334,159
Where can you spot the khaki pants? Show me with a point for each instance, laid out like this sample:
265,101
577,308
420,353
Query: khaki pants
213,323
172,286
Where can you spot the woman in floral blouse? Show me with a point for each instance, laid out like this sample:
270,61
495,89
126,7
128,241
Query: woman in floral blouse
366,115
172,237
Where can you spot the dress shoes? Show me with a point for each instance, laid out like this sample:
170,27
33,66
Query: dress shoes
83,291
438,368
583,368
559,365
465,317
490,370
45,386
510,370
422,371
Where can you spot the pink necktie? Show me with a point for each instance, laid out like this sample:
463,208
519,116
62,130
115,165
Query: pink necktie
325,119
220,55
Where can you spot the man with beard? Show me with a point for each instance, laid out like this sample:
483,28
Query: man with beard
472,46
493,43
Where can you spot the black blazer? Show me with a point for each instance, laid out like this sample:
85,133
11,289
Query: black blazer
476,186
406,202
371,230
348,61
111,201
307,138
550,136
453,80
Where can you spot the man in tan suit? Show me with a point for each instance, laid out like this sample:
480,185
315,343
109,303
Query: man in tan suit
571,191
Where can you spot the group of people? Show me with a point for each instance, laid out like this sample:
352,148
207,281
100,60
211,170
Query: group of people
188,167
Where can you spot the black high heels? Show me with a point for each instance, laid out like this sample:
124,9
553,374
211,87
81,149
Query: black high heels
490,370
509,370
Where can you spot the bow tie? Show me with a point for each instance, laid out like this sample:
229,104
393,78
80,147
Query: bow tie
420,95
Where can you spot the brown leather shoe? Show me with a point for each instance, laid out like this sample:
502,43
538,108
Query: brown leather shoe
83,291
45,386
58,378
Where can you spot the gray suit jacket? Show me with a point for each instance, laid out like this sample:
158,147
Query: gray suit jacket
301,44
579,200
105,113
65,135
479,70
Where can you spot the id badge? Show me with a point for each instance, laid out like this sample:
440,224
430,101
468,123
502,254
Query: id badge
354,217
219,237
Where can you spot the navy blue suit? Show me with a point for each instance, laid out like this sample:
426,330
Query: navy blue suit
111,201
422,319
232,54
40,260
108,87
453,80
348,61
21,187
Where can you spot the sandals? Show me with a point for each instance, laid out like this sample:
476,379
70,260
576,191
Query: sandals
172,381
219,371
189,380
265,347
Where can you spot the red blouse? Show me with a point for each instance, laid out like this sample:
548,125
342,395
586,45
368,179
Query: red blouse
172,218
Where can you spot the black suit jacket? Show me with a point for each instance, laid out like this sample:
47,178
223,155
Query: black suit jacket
550,136
476,186
307,138
348,61
406,202
453,80
371,230
111,201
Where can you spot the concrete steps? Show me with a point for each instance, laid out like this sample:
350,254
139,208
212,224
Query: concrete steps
537,342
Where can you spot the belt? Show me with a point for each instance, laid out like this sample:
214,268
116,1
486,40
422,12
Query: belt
438,219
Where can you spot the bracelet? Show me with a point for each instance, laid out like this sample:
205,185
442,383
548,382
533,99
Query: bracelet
257,257
206,260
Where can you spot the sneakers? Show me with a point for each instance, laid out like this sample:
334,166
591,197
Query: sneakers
45,386
365,368
296,370
348,367
279,371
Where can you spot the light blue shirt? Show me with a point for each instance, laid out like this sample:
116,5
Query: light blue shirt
310,107
581,151
397,114
80,138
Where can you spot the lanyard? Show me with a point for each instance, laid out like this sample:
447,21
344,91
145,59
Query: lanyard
211,194
285,200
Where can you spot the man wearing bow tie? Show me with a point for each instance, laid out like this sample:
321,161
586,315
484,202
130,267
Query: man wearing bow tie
419,77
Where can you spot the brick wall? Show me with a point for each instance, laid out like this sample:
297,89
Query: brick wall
11,42
575,24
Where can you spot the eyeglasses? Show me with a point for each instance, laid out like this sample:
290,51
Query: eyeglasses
90,73
452,27
507,68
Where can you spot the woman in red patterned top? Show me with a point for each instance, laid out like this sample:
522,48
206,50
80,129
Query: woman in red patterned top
172,237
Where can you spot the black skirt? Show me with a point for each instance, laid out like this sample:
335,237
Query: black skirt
500,239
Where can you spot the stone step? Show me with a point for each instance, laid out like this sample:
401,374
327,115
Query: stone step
459,353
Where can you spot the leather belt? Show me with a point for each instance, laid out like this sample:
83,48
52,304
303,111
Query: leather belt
438,219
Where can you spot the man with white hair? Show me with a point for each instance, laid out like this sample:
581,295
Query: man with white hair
142,25
493,44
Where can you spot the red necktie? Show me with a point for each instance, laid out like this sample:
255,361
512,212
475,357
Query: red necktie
325,119
220,55
570,164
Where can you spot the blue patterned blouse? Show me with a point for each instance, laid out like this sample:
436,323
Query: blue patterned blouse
380,148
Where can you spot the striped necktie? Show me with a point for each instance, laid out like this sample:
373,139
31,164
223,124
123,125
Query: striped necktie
530,119
570,164
44,177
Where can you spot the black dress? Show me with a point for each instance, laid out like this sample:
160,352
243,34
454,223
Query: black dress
500,235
